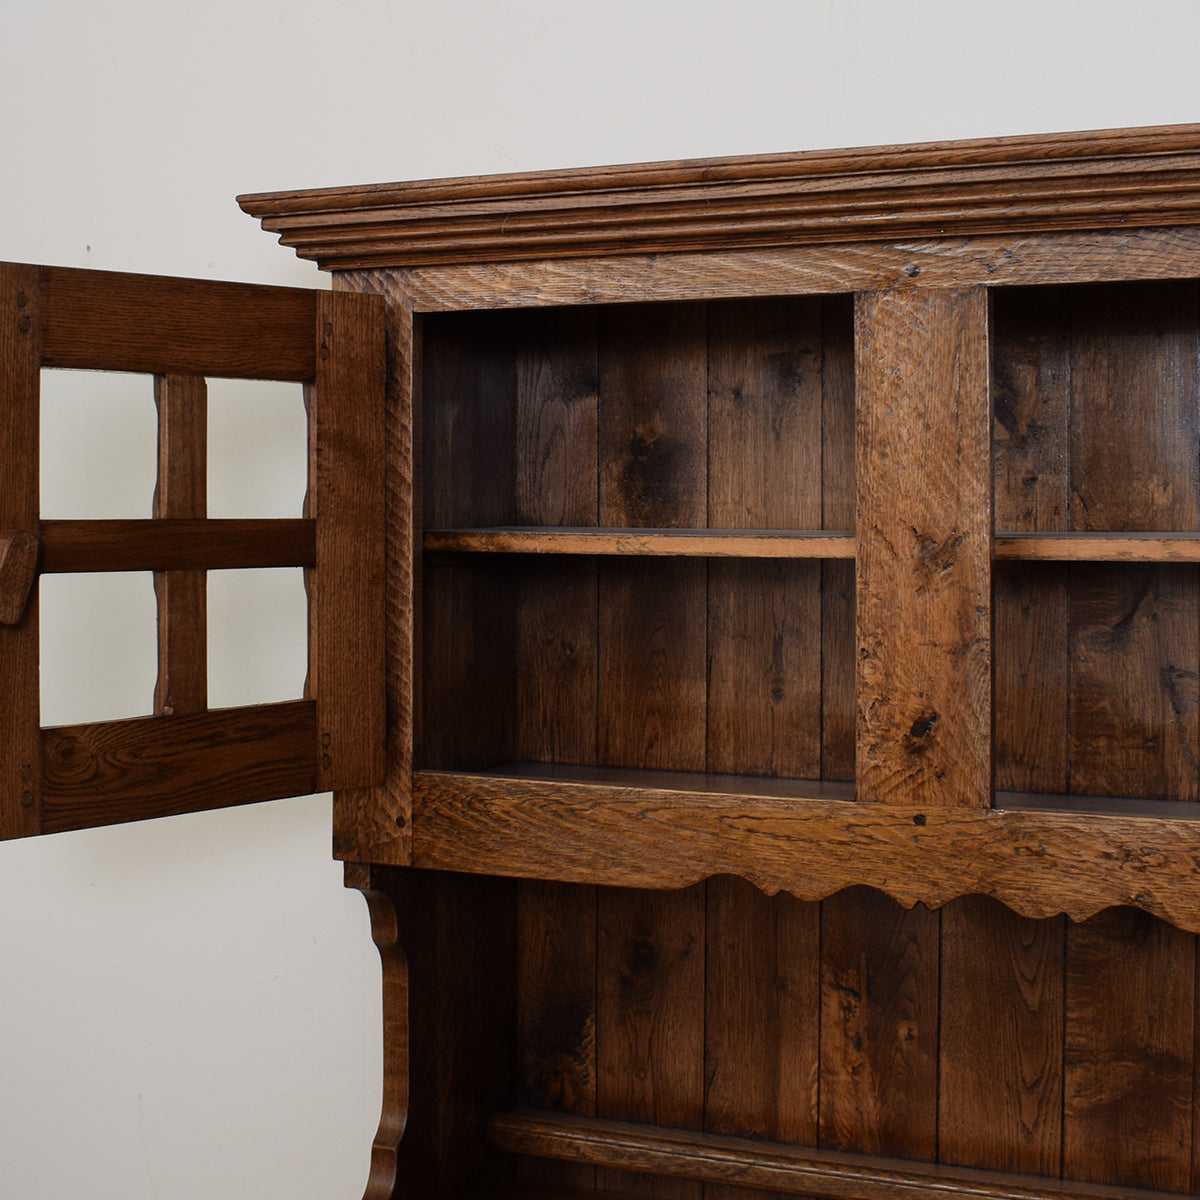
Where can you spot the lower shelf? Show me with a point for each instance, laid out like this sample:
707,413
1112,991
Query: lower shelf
791,1170
665,830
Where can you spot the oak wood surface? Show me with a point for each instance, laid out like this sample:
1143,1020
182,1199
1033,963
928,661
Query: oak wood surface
822,1174
1055,258
703,543
175,544
923,465
107,321
113,771
381,816
879,1026
346,617
181,493
1067,181
20,715
1039,863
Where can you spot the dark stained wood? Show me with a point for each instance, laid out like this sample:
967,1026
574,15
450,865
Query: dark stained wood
635,831
18,570
20,712
1001,185
458,938
764,471
346,613
821,1174
175,544
1000,1083
650,1018
1134,690
182,493
838,648
102,320
879,1026
762,1014
116,771
923,465
555,485
556,1009
695,543
381,817
385,933
652,442
621,278
1130,990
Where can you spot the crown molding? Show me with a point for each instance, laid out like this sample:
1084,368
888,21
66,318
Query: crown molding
1106,179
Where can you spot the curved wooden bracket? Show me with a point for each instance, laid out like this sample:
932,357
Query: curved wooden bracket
381,1183
18,569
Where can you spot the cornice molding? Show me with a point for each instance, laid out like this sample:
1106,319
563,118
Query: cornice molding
1099,180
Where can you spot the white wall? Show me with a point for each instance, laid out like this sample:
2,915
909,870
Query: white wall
189,1007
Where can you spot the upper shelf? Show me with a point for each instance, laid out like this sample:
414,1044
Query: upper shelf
798,543
1098,180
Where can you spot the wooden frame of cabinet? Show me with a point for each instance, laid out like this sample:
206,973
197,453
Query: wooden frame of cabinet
791,644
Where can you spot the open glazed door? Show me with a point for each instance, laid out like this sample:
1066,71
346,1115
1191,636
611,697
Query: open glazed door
187,757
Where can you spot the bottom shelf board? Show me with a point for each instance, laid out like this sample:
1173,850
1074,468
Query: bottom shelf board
810,838
772,1166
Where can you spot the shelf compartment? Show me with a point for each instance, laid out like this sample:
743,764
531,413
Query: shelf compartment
670,830
1086,546
771,1166
693,543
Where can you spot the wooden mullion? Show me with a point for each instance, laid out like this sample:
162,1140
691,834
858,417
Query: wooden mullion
924,547
20,363
182,491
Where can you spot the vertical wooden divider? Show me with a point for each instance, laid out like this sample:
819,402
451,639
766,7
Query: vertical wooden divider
924,547
346,655
20,712
182,491
651,713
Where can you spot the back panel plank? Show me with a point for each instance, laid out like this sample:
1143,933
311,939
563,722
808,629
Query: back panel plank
20,716
762,1016
117,771
924,548
101,320
1000,1103
650,1020
1128,1063
879,1026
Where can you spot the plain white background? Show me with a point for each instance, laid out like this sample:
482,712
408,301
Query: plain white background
189,1008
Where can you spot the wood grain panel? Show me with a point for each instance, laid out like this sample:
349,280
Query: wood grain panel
555,481
652,441
838,637
1024,259
102,320
1130,989
117,771
1001,1098
346,616
182,492
650,1018
1135,689
879,1026
20,714
18,571
762,1017
924,548
689,543
556,1010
